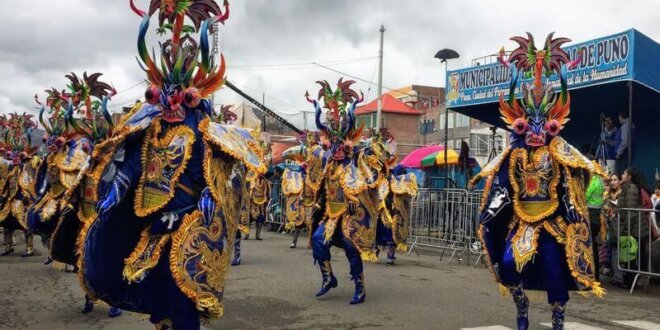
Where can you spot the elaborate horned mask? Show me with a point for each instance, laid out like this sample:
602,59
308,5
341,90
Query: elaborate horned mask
186,74
541,113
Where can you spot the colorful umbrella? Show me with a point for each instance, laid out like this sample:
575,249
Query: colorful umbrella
414,159
438,158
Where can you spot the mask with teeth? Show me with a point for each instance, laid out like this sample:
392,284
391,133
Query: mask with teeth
541,113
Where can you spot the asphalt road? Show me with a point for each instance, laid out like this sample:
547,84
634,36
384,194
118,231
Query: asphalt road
274,289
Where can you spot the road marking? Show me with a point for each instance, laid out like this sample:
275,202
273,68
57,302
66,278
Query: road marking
574,326
492,327
642,325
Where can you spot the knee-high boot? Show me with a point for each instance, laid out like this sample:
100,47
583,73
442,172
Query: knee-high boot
258,234
29,242
558,312
522,306
296,233
9,243
360,291
237,251
391,253
329,280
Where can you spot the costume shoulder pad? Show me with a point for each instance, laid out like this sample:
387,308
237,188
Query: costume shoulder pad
292,182
237,142
492,167
570,157
405,184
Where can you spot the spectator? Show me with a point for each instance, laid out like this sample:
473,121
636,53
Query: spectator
609,212
598,227
607,148
624,143
655,200
635,224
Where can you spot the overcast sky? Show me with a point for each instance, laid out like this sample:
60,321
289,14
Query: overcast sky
269,44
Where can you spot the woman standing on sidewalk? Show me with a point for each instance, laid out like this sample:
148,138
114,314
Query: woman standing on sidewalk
633,223
609,212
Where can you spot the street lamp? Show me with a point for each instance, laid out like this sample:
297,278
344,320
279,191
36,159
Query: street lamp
443,55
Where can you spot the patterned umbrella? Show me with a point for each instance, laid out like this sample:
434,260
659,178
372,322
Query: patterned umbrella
414,159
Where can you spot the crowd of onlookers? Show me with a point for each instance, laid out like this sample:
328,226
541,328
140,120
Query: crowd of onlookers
629,238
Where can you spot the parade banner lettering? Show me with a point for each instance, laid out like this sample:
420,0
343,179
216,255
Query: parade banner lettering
603,60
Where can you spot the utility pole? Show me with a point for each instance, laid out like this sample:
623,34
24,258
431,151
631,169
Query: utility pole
263,122
304,113
214,53
380,79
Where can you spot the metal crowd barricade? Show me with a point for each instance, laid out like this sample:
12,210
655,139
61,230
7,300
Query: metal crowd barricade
439,220
473,214
275,209
647,262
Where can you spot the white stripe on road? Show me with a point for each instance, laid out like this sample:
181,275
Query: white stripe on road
492,327
574,326
642,325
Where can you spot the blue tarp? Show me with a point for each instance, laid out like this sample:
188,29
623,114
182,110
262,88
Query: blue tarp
600,84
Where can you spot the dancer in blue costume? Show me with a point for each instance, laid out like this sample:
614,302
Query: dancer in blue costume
298,190
171,190
395,191
349,204
17,190
534,222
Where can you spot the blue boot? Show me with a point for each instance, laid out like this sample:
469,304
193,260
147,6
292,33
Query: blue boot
114,312
88,307
237,253
558,312
391,251
329,280
522,306
360,292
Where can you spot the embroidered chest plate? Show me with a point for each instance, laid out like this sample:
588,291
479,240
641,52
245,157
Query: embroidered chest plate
259,190
534,179
163,162
88,189
335,194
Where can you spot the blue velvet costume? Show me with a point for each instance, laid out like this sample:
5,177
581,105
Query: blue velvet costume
350,184
534,222
18,184
170,187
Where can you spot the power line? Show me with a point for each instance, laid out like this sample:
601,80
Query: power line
300,65
361,79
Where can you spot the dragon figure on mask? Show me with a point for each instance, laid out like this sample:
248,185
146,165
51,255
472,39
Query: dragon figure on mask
534,221
169,182
17,188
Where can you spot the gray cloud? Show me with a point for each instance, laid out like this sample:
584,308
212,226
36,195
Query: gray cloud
43,40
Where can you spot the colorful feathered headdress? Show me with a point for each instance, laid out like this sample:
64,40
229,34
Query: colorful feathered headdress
185,73
17,140
540,111
95,122
340,123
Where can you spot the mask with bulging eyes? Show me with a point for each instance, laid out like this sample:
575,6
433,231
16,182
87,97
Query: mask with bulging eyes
173,101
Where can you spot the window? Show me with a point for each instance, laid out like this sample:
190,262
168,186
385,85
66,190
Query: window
442,121
426,126
367,120
451,120
462,120
374,119
482,144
